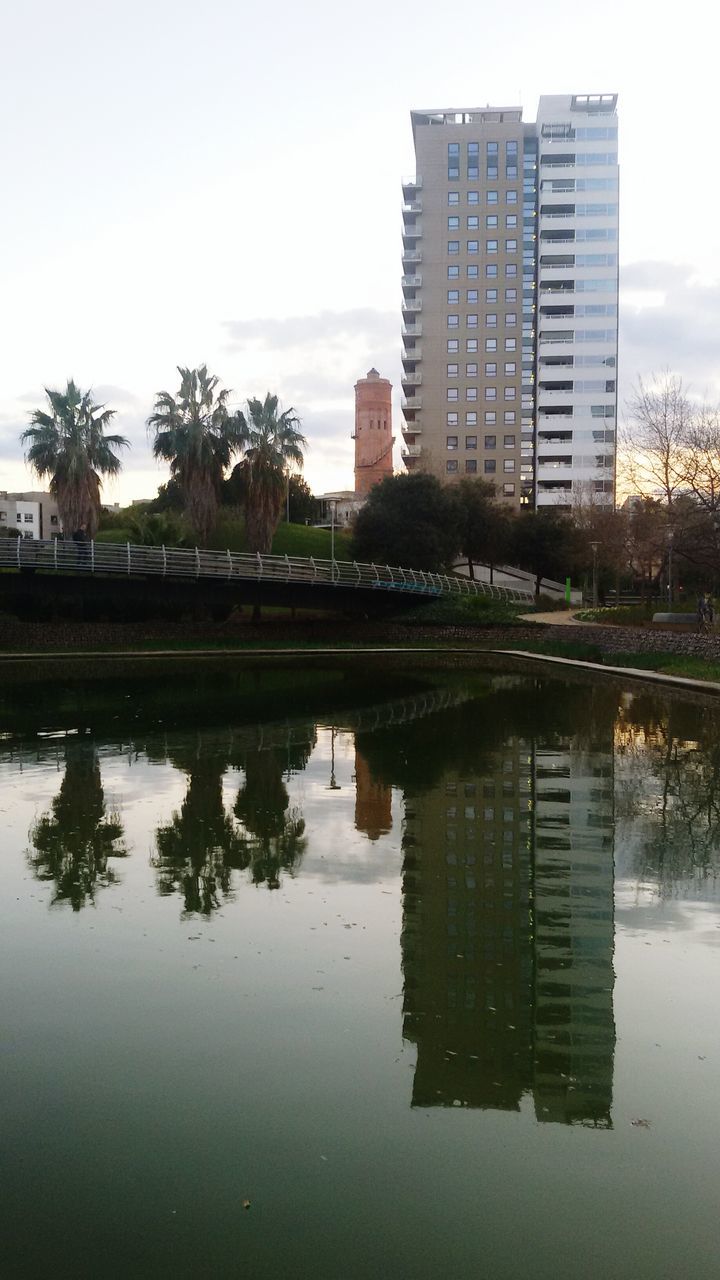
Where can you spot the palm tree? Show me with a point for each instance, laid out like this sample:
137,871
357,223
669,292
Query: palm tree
69,446
198,435
273,446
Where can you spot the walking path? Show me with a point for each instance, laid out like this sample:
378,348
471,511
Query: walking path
557,618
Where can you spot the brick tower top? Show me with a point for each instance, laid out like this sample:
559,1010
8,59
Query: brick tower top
373,431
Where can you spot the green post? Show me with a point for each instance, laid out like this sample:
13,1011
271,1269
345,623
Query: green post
567,591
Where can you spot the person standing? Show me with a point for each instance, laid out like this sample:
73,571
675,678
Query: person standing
81,540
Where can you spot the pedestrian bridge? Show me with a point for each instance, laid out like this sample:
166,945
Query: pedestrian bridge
308,578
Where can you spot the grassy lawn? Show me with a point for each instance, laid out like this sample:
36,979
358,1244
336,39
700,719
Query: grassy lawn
290,539
672,664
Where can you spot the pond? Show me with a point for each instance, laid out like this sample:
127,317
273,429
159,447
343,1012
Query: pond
358,972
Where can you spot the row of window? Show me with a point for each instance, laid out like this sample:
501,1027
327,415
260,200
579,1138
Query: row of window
491,344
471,345
473,246
491,246
471,369
472,173
593,133
471,320
579,184
491,294
490,393
452,465
492,196
490,420
491,319
491,270
491,148
472,221
490,443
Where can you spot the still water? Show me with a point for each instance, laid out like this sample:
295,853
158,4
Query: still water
330,976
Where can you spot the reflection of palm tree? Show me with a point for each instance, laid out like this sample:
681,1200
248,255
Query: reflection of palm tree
72,844
201,844
274,832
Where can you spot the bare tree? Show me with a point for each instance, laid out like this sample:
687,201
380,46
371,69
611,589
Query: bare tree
655,439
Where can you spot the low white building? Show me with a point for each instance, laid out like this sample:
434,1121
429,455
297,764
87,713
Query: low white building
339,508
33,514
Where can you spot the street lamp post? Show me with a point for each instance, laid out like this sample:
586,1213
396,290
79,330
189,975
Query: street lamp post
332,537
595,546
670,567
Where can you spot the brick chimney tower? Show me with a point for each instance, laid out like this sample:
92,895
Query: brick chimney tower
373,431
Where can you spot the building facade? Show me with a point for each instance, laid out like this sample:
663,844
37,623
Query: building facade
373,431
510,282
33,514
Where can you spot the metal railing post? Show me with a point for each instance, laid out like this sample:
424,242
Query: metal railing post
129,560
164,561
18,540
197,563
229,564
92,556
259,564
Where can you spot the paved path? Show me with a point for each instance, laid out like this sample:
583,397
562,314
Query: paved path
557,618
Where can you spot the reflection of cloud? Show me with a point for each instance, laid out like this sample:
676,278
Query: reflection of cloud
674,327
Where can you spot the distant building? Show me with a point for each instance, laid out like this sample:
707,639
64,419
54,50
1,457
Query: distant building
33,514
373,431
339,508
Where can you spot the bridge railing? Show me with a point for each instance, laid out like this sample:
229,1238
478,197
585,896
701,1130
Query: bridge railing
130,560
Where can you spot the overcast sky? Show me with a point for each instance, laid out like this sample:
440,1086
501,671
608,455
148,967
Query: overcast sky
221,183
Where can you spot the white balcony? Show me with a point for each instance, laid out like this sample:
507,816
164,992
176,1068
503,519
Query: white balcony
411,403
411,331
411,451
412,231
412,255
412,354
411,184
409,431
411,282
412,305
412,206
411,379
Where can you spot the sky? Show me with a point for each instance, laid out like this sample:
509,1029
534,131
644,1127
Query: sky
220,183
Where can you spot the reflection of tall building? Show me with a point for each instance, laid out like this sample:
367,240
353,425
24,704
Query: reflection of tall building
373,801
466,936
508,934
573,930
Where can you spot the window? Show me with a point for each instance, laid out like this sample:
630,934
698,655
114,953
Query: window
452,371
471,465
473,222
452,393
471,370
491,270
453,172
491,319
453,296
451,464
453,246
471,344
452,419
510,344
3,517
453,148
492,197
491,295
491,344
510,270
473,173
492,148
470,421
471,393
19,518
511,246
508,491
491,221
473,246
490,370
508,441
508,465
509,393
452,442
490,416
511,171
472,271
473,197
28,519
453,345
471,441
453,197
492,173
491,246
453,322
510,220
453,160
510,369
511,320
511,148
511,197
472,322
508,419
472,295
511,295
491,393
490,466
453,224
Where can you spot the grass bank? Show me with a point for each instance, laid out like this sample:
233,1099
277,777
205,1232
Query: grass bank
671,664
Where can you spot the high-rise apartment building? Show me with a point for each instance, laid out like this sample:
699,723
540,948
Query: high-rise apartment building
510,292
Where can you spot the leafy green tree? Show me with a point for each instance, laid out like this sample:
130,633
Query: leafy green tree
411,521
545,543
72,844
274,831
303,504
273,446
484,526
198,435
69,447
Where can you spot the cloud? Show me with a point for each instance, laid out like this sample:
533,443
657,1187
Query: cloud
327,327
677,329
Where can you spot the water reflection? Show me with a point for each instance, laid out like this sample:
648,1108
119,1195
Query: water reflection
73,844
515,795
